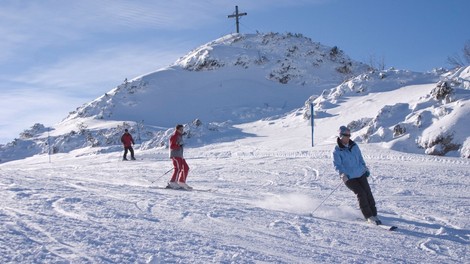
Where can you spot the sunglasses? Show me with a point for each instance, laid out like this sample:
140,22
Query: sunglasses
346,135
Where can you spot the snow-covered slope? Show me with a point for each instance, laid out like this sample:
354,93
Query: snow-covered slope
256,197
237,78
401,110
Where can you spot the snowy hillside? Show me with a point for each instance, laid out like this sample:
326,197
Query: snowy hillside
248,75
237,78
243,78
405,111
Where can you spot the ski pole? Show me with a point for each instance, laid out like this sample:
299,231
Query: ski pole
162,175
325,199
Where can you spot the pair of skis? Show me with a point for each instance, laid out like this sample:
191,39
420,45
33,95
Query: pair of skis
388,227
381,225
183,189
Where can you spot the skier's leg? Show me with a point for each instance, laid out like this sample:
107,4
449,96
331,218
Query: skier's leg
370,198
125,153
132,152
184,171
355,186
176,169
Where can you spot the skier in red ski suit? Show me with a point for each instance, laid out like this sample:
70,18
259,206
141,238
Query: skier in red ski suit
181,168
127,141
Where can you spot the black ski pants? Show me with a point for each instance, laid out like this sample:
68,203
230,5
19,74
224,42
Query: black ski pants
130,149
360,186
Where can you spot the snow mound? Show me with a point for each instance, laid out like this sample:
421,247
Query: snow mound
405,111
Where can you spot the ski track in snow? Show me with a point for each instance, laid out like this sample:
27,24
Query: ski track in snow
96,209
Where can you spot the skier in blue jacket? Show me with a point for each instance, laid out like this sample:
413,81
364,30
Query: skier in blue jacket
349,163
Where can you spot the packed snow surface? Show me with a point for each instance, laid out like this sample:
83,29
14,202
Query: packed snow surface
252,203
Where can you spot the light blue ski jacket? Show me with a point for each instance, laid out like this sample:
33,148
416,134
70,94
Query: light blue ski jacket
349,160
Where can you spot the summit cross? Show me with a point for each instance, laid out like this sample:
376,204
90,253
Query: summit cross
236,16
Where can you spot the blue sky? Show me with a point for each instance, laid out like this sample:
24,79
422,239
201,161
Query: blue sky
56,55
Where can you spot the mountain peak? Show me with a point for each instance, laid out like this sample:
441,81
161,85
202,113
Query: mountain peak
286,57
242,71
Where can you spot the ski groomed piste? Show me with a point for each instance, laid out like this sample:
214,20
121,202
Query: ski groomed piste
88,208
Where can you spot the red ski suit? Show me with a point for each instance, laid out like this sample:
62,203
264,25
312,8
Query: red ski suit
127,140
180,166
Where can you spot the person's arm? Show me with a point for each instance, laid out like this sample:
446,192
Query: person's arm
173,142
339,168
337,162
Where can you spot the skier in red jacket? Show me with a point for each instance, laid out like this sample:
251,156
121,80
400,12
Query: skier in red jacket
181,168
127,141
